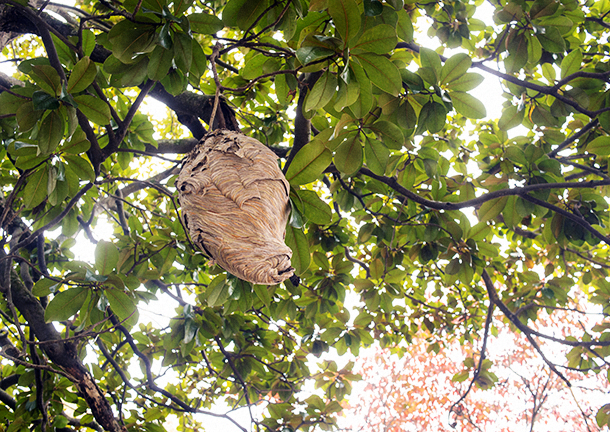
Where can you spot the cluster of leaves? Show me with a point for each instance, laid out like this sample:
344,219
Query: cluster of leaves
513,390
387,153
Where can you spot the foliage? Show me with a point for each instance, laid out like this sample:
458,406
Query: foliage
420,390
387,152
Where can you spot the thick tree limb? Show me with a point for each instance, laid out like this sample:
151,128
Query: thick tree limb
63,354
495,299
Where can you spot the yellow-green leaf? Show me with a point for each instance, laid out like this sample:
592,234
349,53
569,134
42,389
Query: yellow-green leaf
65,304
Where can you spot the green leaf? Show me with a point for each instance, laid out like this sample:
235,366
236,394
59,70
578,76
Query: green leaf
551,40
65,304
159,64
492,208
44,287
80,166
571,63
43,101
88,41
404,27
455,67
243,13
467,105
35,190
466,82
310,54
377,156
82,75
50,133
199,64
47,78
122,305
511,117
205,23
431,118
322,92
347,94
600,146
106,257
382,72
314,209
364,103
131,39
348,156
541,8
78,143
183,51
390,134
380,39
218,291
297,242
262,292
431,59
309,163
346,16
95,109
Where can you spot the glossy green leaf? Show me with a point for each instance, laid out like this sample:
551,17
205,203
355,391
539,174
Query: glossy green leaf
571,63
364,103
404,27
390,134
95,109
65,304
183,51
47,78
349,155
466,82
122,305
218,291
346,17
243,13
205,23
468,105
511,117
380,39
432,118
313,208
382,73
551,40
600,146
50,132
80,166
311,54
309,163
322,92
297,242
35,190
431,59
377,156
82,75
492,208
160,62
454,68
42,101
106,257
130,39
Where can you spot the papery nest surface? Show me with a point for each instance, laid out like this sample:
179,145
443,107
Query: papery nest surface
234,200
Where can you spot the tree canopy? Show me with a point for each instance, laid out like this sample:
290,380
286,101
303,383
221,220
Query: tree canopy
387,153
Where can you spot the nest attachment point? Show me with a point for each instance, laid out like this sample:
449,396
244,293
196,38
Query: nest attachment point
234,201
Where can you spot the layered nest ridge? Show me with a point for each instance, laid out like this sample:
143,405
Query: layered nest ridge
234,200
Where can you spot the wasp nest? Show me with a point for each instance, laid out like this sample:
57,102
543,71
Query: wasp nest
235,205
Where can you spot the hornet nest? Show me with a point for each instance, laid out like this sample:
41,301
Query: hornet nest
234,201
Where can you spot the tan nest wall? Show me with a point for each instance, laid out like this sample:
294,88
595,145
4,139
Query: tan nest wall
234,201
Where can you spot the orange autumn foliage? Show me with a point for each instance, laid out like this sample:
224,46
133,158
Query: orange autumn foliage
415,391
